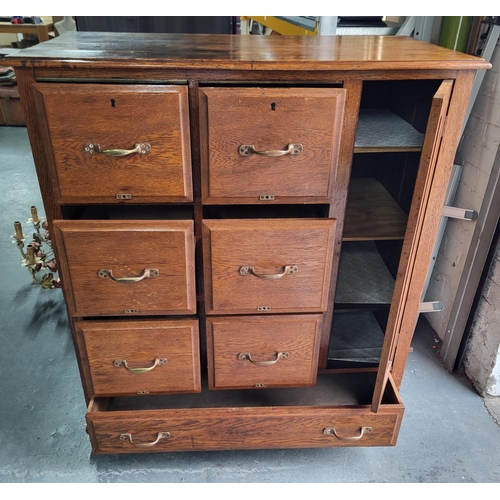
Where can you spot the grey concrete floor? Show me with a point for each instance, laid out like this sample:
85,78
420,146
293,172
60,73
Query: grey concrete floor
447,434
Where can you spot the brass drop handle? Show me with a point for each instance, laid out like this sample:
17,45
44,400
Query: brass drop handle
247,270
94,149
147,273
247,356
128,437
123,362
331,430
291,149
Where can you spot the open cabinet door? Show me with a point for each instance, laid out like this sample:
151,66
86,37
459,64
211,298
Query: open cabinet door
421,229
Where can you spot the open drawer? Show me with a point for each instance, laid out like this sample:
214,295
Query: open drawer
335,412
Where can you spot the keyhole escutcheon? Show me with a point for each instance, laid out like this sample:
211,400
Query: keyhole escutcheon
112,101
273,106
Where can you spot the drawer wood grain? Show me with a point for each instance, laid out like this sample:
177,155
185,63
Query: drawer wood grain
323,416
117,268
290,261
241,429
269,119
141,357
79,116
270,351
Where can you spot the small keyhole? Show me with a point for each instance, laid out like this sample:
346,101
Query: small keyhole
273,106
112,103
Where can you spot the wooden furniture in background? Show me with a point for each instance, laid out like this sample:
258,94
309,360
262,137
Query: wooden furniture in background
40,30
220,294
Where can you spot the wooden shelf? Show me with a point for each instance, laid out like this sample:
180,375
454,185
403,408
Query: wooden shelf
380,130
372,213
356,341
364,282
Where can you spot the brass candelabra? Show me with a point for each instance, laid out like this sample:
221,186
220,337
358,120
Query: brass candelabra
38,255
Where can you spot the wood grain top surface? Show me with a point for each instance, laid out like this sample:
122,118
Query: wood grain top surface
243,52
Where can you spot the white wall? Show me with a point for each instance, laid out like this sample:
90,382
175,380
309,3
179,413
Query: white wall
478,148
494,379
482,356
6,39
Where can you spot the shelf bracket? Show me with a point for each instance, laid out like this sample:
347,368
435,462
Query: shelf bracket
459,213
427,307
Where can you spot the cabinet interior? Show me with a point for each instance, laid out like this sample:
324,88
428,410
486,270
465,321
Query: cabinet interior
128,212
265,211
331,389
186,212
389,138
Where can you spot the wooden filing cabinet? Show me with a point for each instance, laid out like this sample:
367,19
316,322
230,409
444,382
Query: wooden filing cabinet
243,227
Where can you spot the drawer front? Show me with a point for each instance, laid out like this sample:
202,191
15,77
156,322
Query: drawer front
270,351
241,428
142,357
267,265
127,267
85,123
244,129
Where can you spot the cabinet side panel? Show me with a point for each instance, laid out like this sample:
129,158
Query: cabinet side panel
25,82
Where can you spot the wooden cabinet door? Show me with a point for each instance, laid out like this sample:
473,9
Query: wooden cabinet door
425,214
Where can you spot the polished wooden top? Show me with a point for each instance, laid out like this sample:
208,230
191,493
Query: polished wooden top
243,52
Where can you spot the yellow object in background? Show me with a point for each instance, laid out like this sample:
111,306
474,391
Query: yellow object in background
281,26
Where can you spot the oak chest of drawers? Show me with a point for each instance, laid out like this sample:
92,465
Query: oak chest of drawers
243,227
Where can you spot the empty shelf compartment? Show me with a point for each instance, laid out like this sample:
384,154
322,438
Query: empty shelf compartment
363,279
372,213
356,340
383,130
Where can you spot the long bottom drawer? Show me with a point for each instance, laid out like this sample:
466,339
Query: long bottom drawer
327,415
